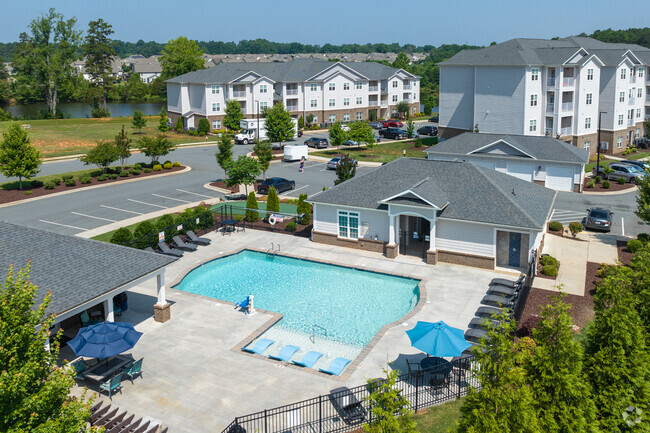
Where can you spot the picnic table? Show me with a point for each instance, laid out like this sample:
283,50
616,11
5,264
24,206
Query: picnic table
104,370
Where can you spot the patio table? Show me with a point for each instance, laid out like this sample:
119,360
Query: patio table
436,365
229,225
105,370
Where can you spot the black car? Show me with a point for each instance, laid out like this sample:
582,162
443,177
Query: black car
434,119
279,183
641,164
428,130
318,143
599,219
376,125
392,133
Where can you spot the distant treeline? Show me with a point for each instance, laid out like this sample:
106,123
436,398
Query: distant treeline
629,36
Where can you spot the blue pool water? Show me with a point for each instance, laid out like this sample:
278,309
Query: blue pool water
352,305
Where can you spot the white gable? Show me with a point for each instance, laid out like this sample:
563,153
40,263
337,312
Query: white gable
500,148
247,77
337,69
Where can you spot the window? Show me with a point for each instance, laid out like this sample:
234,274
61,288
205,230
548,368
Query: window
263,88
533,100
215,89
533,126
216,124
264,105
346,101
395,84
359,100
358,85
216,106
348,224
587,145
313,103
332,118
620,119
590,75
315,119
639,92
638,112
619,142
346,86
534,74
623,73
589,98
640,72
604,145
621,97
346,117
313,87
415,96
587,122
394,98
332,86
332,103
360,116
637,132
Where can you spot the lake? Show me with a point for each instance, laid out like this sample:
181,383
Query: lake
82,109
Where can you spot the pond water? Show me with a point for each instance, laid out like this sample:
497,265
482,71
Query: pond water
82,109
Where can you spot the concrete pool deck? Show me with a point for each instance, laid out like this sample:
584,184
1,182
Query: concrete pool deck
194,382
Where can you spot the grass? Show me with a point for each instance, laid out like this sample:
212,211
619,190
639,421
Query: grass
639,155
439,419
603,162
382,152
76,174
61,137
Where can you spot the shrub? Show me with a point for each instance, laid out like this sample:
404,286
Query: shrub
291,226
168,166
157,167
167,162
606,184
96,173
644,237
205,217
634,245
50,184
201,134
146,235
575,228
238,218
603,270
251,203
112,176
102,178
71,182
591,184
167,223
67,177
620,180
597,179
134,172
203,127
176,164
56,181
549,260
137,166
549,270
147,170
85,179
124,173
555,226
36,183
303,208
29,192
272,201
122,236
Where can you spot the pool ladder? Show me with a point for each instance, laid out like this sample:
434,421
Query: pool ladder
313,332
271,252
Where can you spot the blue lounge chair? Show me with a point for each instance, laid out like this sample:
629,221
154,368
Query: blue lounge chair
309,359
259,347
336,367
244,304
286,353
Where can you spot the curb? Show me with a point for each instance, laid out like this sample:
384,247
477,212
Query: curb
28,200
625,191
217,189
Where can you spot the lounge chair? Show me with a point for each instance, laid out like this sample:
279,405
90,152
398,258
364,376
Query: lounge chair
194,239
164,248
286,353
504,291
336,367
259,347
111,385
309,359
482,322
498,300
86,320
487,311
508,283
180,244
79,366
134,370
347,405
476,334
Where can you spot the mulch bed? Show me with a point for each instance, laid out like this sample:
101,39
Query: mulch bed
7,196
539,270
234,189
614,186
279,227
624,256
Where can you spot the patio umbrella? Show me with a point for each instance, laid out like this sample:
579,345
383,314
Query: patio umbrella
104,340
438,339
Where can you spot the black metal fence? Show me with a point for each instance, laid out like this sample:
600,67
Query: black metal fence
197,221
528,283
347,409
228,212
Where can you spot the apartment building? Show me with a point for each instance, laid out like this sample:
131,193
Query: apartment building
558,88
330,91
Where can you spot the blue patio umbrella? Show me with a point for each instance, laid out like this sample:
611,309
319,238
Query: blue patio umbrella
438,339
104,340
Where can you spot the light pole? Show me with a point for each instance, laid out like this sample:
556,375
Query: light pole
257,128
598,145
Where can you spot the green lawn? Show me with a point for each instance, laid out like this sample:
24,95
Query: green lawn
639,155
59,137
439,419
603,162
383,152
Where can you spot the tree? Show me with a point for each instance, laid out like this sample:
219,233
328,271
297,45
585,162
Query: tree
138,120
272,201
562,395
361,132
34,392
401,62
136,89
279,124
18,158
303,209
402,109
643,199
233,115
99,52
102,155
309,119
224,156
163,122
301,122
410,127
123,146
337,135
204,126
504,402
251,203
264,153
179,57
179,125
390,411
647,128
122,236
43,59
155,147
243,171
345,169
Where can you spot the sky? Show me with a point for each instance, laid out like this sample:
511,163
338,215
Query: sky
420,22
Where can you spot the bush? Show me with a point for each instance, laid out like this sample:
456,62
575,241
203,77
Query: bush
124,173
303,208
67,177
549,270
603,270
555,226
168,166
575,228
56,181
418,142
606,184
167,162
112,176
167,223
206,220
238,218
644,237
102,178
85,179
146,235
591,184
204,126
291,226
157,167
122,236
634,245
96,173
621,180
597,179
36,183
147,170
50,184
137,166
201,134
71,182
176,164
251,203
134,172
29,192
549,260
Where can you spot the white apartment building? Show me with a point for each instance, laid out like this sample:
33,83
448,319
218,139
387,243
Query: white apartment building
549,87
330,91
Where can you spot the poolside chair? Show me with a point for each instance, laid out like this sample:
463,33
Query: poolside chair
476,334
259,347
79,366
111,385
286,353
498,300
134,370
486,311
504,291
309,359
164,248
482,322
347,405
508,283
193,238
179,243
336,367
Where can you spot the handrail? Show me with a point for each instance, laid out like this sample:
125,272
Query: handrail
313,332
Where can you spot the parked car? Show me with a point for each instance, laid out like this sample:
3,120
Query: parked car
350,143
394,124
434,119
626,171
318,143
334,162
345,127
376,125
641,164
299,133
428,130
393,133
599,219
279,183
384,123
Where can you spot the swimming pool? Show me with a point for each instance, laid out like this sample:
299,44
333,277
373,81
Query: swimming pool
342,305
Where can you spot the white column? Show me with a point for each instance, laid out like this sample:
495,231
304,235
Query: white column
160,279
432,235
391,230
108,310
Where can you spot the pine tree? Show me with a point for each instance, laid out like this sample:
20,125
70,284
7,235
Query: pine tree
179,125
99,51
18,158
303,209
162,123
251,203
346,169
123,146
272,201
233,115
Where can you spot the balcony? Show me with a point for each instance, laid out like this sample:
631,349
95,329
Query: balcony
550,107
550,82
567,106
373,88
373,103
239,93
407,87
568,81
292,107
566,130
647,99
291,92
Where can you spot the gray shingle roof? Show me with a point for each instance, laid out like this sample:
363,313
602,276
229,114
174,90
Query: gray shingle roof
74,269
474,193
540,148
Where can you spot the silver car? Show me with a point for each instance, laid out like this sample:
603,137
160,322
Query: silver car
628,172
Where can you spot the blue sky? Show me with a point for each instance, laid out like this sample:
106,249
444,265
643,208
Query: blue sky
417,21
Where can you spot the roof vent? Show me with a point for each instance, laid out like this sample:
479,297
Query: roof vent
513,192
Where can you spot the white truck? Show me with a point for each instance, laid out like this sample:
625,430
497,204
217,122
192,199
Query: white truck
252,129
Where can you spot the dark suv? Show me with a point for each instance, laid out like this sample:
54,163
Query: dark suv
318,143
392,133
428,130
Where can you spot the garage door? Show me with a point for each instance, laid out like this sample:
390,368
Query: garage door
521,171
487,164
559,178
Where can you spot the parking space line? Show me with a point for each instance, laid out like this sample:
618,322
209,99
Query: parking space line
91,216
190,192
170,198
293,190
150,204
121,210
63,225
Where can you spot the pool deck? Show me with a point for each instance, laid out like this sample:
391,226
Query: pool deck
195,378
